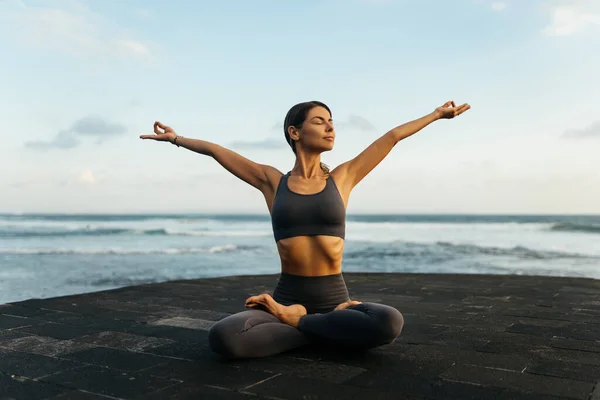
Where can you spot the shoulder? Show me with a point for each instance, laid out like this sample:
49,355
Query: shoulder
340,173
273,176
340,176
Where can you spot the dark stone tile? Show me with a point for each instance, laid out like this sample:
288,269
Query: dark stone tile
439,354
460,338
476,327
124,341
329,371
79,395
292,388
358,358
545,331
182,350
40,304
573,356
552,314
76,304
415,338
9,336
424,329
209,315
109,382
587,292
211,371
596,393
170,332
57,331
10,322
116,359
10,309
462,391
18,388
43,345
569,370
64,317
187,391
511,394
490,321
582,345
539,384
184,322
405,372
514,343
123,315
32,365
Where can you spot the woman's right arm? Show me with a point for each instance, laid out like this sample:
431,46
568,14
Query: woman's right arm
260,176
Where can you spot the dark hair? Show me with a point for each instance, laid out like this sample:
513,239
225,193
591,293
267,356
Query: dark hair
296,117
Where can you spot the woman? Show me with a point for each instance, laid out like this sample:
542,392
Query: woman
308,211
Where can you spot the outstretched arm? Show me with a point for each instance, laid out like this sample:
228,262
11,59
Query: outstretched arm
353,171
255,174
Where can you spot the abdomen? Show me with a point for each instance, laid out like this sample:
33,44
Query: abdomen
311,255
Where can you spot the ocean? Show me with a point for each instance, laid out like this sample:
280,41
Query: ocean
53,255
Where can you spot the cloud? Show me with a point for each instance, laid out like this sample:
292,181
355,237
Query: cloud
573,17
96,126
360,123
91,126
72,29
263,144
63,140
590,132
498,6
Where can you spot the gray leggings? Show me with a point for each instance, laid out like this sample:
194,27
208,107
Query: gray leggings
257,333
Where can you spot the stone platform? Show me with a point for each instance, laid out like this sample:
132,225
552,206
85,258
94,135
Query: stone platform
465,337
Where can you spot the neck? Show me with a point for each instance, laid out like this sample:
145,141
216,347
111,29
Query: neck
307,165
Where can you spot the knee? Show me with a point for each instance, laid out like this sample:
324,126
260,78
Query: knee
392,323
222,342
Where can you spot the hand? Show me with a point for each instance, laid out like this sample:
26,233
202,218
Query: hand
167,134
347,304
449,110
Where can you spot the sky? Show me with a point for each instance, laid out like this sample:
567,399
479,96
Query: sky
81,80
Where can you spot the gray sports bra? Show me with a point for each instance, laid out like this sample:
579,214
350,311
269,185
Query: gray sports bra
295,214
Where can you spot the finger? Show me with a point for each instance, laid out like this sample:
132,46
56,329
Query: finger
446,104
162,126
156,130
452,102
462,109
147,136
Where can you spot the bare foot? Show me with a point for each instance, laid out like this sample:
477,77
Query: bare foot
347,304
289,315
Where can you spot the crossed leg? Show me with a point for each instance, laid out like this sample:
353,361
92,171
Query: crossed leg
365,325
258,333
253,333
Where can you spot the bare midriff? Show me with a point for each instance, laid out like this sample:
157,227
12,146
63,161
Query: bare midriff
311,255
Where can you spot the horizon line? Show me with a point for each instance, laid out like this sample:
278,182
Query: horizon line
240,213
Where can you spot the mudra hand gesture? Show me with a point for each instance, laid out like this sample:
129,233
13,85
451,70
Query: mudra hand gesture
450,110
166,135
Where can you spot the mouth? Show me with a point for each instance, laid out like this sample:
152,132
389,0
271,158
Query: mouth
330,138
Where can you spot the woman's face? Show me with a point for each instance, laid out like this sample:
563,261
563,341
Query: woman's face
317,132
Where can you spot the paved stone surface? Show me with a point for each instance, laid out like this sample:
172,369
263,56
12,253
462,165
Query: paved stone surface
466,337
